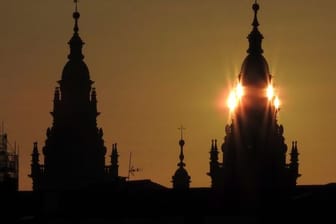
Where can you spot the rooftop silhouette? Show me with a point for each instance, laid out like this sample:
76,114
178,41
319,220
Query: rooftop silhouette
252,177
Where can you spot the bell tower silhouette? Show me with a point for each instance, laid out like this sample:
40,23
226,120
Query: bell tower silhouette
74,151
254,149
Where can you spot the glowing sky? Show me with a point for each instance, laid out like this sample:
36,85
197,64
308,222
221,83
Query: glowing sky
158,64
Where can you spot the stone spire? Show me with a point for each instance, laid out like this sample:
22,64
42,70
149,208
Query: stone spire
294,162
35,168
114,162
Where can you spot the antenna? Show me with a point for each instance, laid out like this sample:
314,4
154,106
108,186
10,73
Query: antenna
129,165
131,168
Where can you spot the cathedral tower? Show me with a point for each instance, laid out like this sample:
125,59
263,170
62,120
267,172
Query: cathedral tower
74,151
254,150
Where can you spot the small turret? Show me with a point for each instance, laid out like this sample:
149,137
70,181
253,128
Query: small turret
294,163
213,157
214,151
35,168
57,101
114,168
181,178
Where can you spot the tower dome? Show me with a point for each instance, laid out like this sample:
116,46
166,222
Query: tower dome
254,71
181,177
75,70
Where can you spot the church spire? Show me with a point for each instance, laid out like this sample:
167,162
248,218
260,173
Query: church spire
255,37
114,162
181,179
76,42
35,168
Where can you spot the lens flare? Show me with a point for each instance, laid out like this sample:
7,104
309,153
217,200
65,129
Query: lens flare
270,92
239,90
232,101
276,103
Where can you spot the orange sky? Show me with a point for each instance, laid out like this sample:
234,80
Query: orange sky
158,64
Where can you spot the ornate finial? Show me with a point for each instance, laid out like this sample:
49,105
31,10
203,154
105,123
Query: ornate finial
255,8
76,16
255,37
181,143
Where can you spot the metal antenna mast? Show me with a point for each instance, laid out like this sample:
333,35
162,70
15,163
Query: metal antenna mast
131,168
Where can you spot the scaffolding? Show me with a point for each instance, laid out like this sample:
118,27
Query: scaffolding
9,165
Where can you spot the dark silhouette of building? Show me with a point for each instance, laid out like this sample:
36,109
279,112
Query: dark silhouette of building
181,178
253,166
254,150
74,151
9,165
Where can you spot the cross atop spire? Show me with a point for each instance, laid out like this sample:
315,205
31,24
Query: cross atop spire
181,142
181,129
75,1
